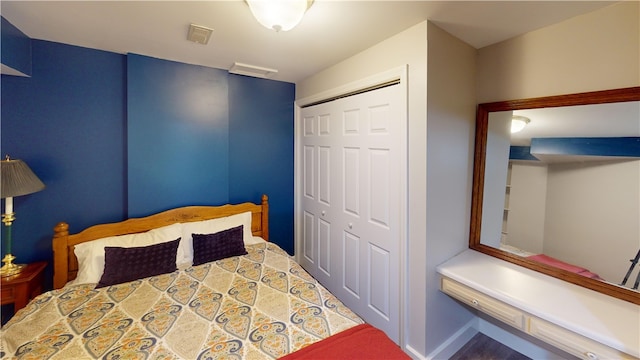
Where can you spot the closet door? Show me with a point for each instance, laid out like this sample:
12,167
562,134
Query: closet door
351,192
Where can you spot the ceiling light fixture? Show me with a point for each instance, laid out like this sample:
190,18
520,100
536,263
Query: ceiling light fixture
279,15
518,123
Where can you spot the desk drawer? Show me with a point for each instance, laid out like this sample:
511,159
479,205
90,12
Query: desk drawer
573,343
493,307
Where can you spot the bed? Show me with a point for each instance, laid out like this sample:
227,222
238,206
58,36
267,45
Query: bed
229,294
551,261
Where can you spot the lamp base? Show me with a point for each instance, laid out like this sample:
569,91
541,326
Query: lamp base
9,268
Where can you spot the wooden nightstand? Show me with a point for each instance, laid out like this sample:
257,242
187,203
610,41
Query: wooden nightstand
20,288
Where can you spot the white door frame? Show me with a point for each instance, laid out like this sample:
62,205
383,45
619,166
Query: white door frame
401,74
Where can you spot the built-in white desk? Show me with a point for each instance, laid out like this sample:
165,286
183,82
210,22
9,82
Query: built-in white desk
580,321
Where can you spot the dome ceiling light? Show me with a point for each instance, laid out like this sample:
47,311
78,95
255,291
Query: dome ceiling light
279,15
518,123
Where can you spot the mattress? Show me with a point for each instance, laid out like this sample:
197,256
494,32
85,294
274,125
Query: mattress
255,306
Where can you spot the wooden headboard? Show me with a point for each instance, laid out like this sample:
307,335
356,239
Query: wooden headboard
65,264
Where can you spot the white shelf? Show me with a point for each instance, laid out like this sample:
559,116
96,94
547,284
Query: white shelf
600,318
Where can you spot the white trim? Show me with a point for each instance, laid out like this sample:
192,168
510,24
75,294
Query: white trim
398,73
381,78
414,353
455,342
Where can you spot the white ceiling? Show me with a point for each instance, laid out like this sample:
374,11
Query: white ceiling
596,120
330,31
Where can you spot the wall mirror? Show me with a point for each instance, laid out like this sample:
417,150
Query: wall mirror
562,196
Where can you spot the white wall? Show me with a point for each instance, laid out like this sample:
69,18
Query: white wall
592,215
407,48
583,213
451,106
527,203
440,140
495,178
595,51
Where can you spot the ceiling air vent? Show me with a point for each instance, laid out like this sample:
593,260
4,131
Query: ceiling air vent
199,34
252,70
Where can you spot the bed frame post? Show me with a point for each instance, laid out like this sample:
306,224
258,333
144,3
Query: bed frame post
60,254
265,217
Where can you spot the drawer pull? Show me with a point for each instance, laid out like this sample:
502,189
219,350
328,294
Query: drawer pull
591,355
475,302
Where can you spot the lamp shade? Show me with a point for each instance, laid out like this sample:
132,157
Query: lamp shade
279,15
18,179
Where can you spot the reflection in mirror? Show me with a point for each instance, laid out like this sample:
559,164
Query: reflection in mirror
562,195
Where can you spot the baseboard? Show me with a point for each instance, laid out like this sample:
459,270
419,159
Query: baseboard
454,342
517,340
414,353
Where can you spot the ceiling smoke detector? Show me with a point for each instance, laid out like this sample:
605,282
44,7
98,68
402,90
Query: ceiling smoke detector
251,70
199,34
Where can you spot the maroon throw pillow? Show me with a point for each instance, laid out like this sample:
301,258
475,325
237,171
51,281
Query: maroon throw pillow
216,246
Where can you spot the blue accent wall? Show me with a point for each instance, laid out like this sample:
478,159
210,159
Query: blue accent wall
261,149
115,135
178,135
67,123
16,47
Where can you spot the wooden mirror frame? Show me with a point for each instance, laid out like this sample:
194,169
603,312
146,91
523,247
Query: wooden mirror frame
587,98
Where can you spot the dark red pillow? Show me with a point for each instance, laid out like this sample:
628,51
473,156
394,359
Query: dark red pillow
127,264
216,246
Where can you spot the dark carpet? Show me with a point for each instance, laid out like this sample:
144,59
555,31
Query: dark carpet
482,347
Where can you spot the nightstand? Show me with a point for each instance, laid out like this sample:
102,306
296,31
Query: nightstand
20,288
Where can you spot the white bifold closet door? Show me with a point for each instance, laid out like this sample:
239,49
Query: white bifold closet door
351,187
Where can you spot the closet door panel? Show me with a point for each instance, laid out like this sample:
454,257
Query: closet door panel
351,180
379,281
309,196
356,206
324,175
308,233
308,172
379,204
324,122
324,242
351,264
351,122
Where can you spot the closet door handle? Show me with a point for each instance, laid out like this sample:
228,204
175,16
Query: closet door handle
350,225
323,212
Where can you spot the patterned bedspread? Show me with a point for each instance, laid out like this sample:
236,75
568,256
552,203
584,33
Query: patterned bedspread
260,305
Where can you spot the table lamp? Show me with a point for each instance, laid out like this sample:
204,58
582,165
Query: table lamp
17,180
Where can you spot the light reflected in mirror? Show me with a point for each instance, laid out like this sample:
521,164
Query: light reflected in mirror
562,196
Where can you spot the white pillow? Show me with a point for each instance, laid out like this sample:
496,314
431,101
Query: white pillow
213,226
91,254
255,240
